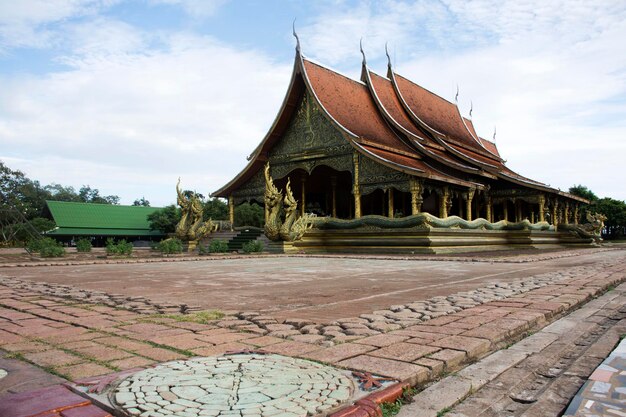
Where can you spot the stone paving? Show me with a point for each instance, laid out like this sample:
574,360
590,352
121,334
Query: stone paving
237,385
413,342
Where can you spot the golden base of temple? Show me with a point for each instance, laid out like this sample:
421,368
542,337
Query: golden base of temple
426,241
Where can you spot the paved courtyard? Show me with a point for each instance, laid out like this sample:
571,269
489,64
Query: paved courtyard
312,288
407,320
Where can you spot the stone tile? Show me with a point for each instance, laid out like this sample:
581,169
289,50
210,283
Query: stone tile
382,340
220,338
452,358
402,371
338,353
52,357
26,346
134,362
474,347
291,348
264,341
85,411
123,343
83,370
406,352
308,338
493,334
39,402
7,338
184,342
436,367
103,353
161,355
436,329
221,349
411,332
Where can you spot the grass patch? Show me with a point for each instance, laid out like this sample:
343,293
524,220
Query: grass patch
391,409
201,317
444,411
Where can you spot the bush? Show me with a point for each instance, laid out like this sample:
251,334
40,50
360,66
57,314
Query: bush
83,245
46,247
253,246
169,246
120,248
218,246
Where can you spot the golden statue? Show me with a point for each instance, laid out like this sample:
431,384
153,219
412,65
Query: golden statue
191,228
294,227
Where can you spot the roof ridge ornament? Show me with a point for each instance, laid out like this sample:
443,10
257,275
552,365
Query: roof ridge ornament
456,97
388,56
295,35
471,108
362,52
494,134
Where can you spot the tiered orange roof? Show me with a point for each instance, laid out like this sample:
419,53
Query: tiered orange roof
395,122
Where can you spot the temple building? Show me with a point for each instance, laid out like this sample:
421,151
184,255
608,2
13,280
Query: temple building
385,146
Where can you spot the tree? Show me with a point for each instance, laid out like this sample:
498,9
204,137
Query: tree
165,219
87,194
60,193
615,211
141,202
215,209
584,192
247,214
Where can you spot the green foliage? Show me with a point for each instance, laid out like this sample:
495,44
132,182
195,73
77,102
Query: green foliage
253,246
218,246
583,191
83,245
165,219
118,248
169,246
247,214
615,211
141,202
46,247
215,209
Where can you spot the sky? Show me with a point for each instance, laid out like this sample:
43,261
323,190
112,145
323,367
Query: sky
128,96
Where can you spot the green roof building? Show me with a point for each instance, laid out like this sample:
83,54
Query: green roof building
101,221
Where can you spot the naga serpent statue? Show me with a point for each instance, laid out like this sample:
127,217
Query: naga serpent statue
191,227
293,227
592,229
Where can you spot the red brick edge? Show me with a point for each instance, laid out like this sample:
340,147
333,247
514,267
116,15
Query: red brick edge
370,405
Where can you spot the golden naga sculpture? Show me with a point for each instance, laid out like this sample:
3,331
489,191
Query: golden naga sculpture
592,229
293,227
191,227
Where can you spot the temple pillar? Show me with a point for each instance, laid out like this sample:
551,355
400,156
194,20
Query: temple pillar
489,209
468,205
390,202
566,215
542,204
443,202
576,214
303,195
333,184
231,211
505,210
555,213
532,217
356,187
518,211
417,189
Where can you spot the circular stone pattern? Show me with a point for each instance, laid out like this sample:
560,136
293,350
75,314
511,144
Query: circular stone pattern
243,385
3,373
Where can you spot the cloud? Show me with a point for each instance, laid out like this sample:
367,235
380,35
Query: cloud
193,108
195,8
550,75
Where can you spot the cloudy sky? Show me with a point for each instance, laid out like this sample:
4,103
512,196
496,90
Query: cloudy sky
127,96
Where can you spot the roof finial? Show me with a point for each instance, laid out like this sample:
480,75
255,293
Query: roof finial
362,52
295,35
471,108
494,134
456,97
388,57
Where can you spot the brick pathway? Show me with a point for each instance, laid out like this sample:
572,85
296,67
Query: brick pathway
77,339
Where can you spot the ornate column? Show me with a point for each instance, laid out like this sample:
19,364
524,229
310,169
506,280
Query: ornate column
333,184
231,211
416,187
443,202
532,217
489,209
576,214
518,211
303,195
542,208
505,209
566,216
468,205
356,190
555,212
390,202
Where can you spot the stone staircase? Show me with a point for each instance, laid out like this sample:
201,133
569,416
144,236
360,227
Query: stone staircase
244,236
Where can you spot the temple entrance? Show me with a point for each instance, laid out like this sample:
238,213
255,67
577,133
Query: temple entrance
324,193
